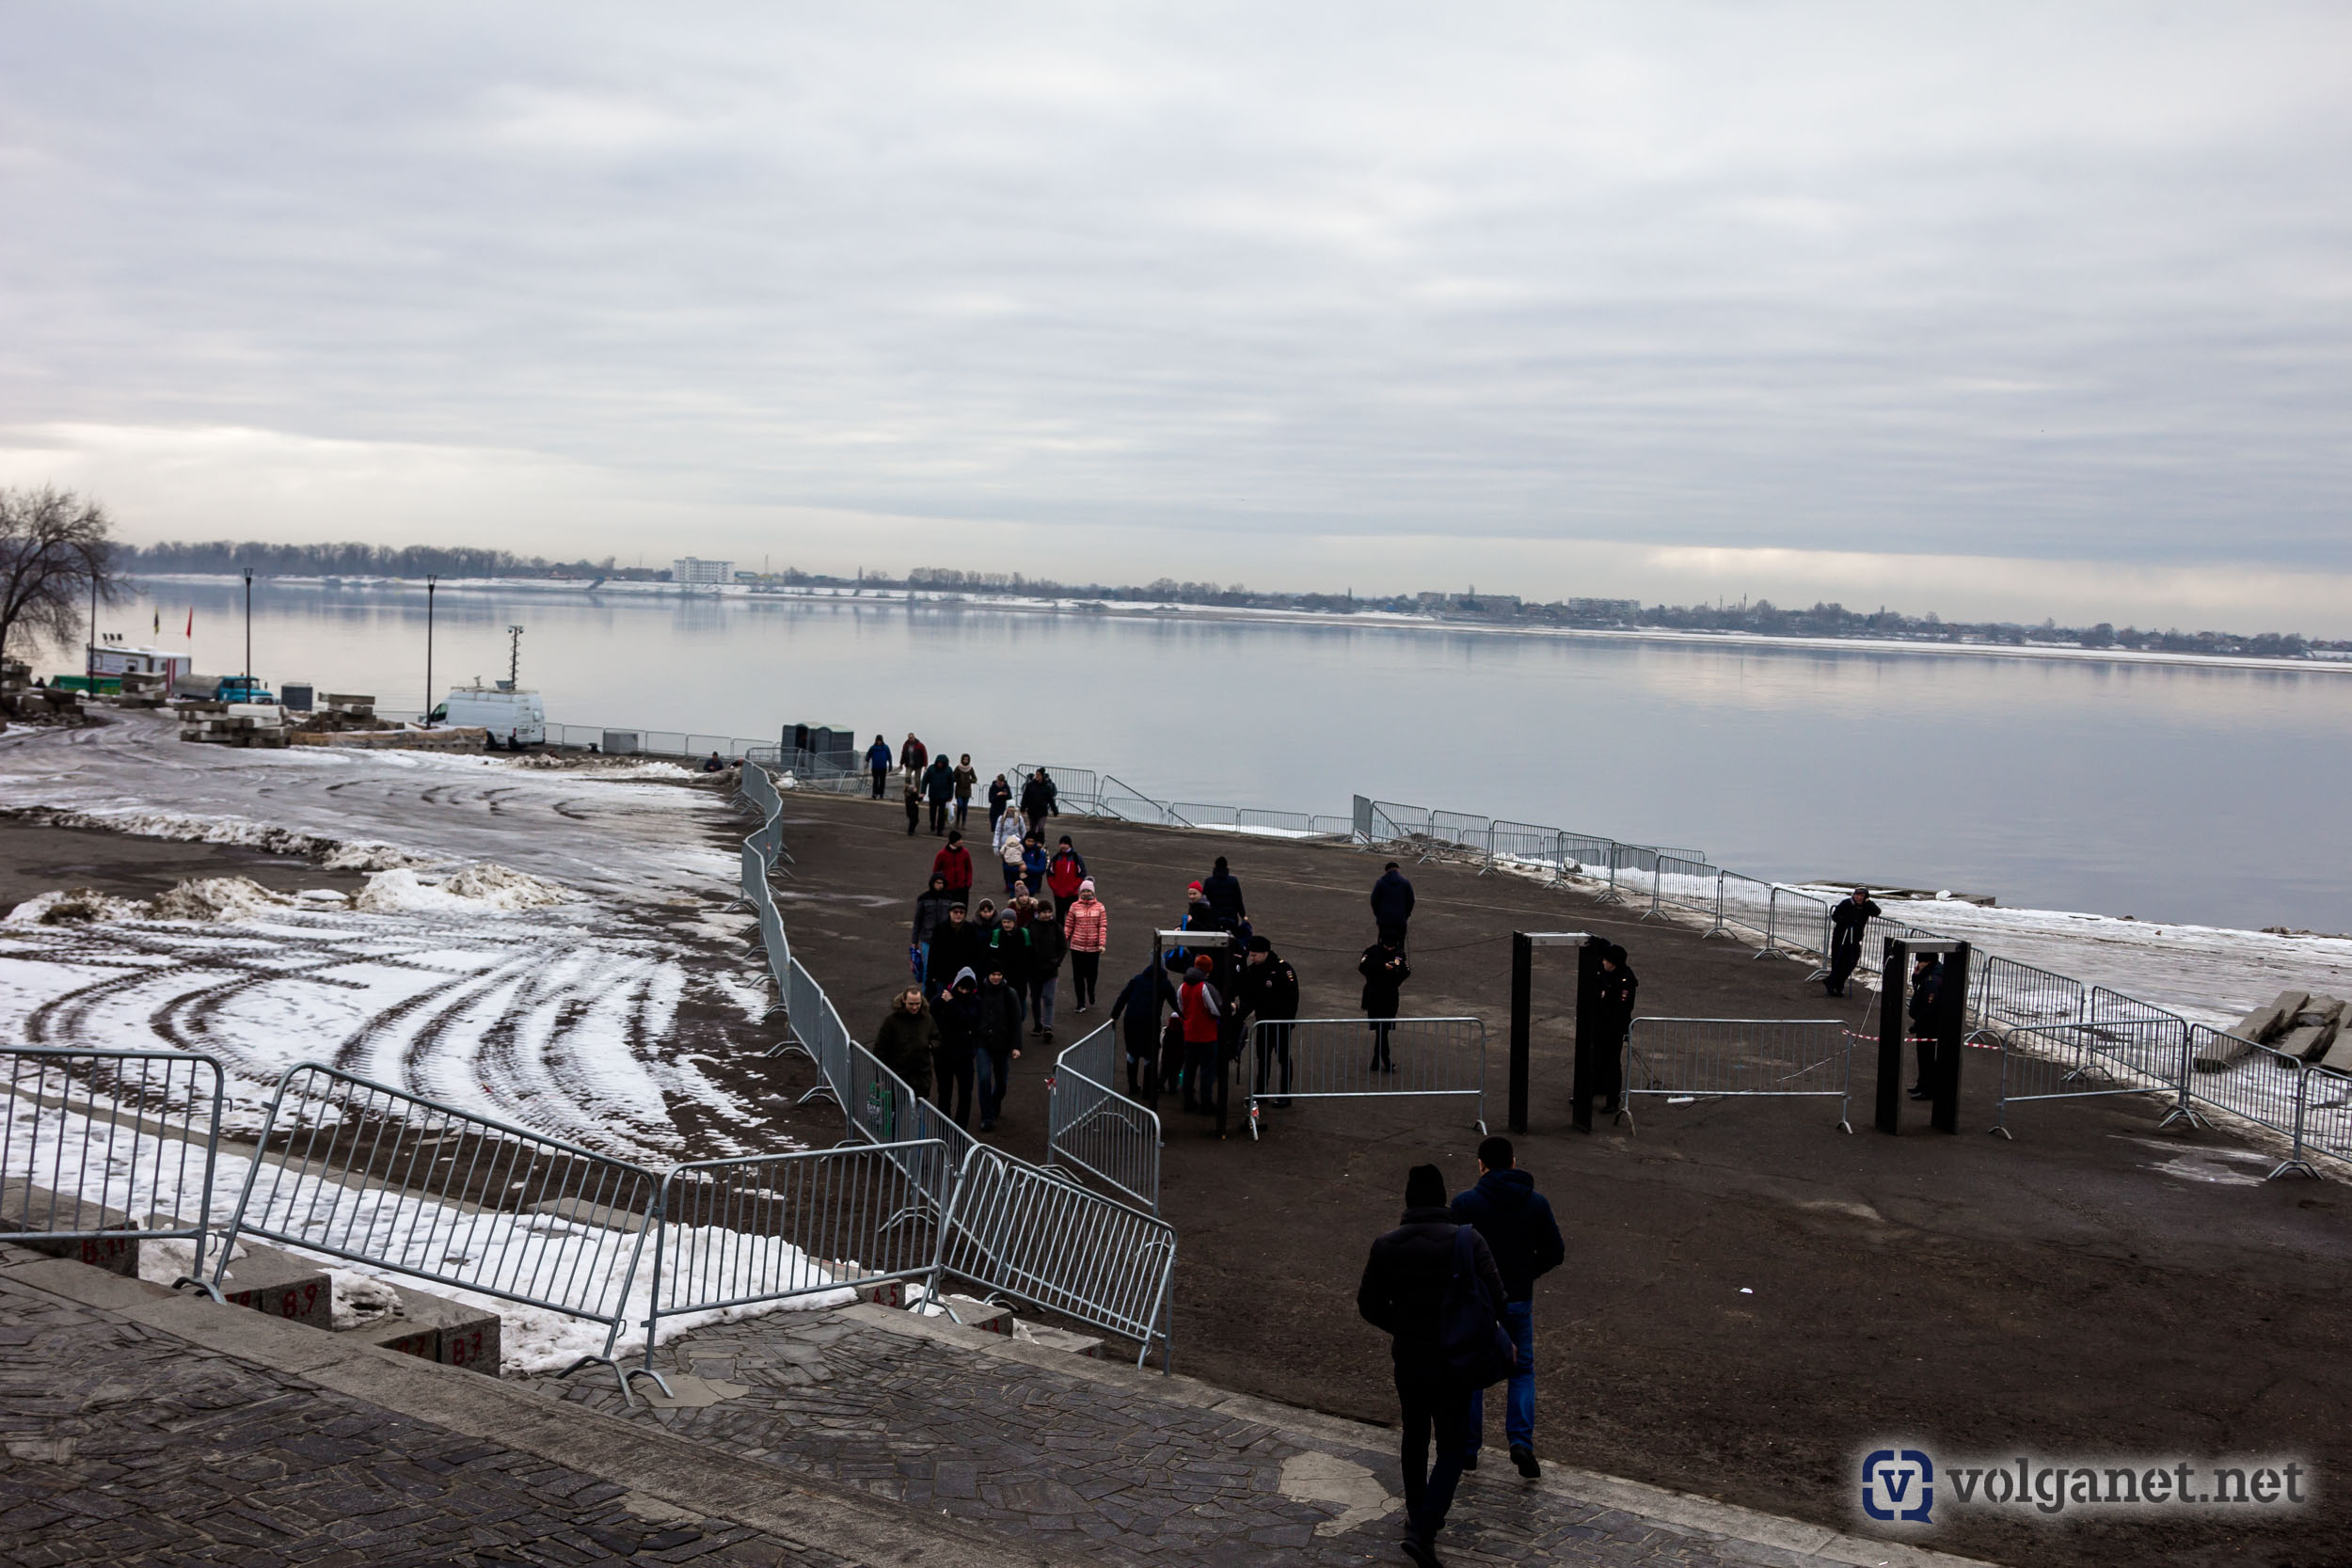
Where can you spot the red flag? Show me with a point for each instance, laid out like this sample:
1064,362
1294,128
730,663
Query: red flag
191,621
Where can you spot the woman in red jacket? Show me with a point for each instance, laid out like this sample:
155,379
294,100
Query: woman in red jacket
953,865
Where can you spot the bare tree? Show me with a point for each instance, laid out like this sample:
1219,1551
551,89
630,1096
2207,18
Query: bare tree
55,548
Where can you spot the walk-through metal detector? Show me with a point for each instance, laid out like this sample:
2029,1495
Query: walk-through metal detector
1523,945
1161,941
1946,1029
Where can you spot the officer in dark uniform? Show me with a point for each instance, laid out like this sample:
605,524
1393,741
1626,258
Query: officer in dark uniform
1601,1060
1927,1013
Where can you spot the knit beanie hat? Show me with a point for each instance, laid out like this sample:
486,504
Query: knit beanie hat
1424,1188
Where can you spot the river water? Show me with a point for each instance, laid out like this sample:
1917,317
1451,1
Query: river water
2174,793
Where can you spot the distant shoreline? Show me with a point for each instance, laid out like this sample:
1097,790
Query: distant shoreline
1370,619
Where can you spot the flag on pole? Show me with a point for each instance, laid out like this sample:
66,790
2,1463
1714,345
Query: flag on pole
191,622
159,623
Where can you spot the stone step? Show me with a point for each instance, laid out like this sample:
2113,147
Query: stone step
279,1285
434,1329
26,1211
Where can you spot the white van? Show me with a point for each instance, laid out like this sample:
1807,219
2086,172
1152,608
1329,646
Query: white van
512,718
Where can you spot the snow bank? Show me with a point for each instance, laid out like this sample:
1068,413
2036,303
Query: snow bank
77,905
482,888
335,854
199,899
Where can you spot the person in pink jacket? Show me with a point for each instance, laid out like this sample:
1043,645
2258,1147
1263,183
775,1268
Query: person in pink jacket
1088,925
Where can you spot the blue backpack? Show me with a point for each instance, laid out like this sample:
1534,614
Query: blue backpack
1470,1336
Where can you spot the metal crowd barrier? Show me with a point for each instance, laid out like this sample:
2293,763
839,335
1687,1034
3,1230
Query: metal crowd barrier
1686,884
2082,1061
2005,993
360,1171
1799,923
99,1142
2324,1124
1027,1234
1093,1126
2154,1039
1681,1058
768,1227
1745,905
1077,791
1336,1058
2259,1084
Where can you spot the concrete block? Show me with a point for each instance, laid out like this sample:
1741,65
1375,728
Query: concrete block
435,1328
880,1293
2338,1057
2308,1041
2221,1052
2267,1020
26,1211
1087,1345
278,1286
972,1312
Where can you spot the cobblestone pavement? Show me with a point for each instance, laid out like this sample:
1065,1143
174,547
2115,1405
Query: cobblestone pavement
1033,1450
127,1446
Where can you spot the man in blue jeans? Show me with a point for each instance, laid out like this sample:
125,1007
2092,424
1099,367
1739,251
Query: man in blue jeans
1506,1210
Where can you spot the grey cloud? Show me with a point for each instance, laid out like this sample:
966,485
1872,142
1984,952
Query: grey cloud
1996,282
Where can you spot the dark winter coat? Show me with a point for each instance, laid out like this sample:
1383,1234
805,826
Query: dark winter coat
1926,991
1385,971
1517,1224
1137,1015
931,912
1047,946
999,796
1034,865
939,783
878,757
1269,990
1847,919
1001,1013
1392,899
1405,1282
1012,951
1038,798
954,863
953,947
1223,892
959,1020
1617,993
904,1044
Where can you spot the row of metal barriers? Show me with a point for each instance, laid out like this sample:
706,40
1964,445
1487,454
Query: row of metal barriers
1020,1232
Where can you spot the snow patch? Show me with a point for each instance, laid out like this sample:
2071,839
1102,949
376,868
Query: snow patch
484,887
78,906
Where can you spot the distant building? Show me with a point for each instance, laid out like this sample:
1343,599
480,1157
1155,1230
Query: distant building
687,569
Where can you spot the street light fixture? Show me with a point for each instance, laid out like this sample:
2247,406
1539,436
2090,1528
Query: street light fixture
431,580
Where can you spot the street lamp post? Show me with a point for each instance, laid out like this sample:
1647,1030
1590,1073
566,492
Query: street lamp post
249,629
432,580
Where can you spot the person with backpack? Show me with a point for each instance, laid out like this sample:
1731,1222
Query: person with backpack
953,865
1431,1285
1087,925
878,763
1136,1011
1517,1224
1065,871
1006,947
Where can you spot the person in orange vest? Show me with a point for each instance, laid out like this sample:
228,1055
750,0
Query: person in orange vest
1202,1012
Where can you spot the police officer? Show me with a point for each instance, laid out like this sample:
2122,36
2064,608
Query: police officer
1926,1000
1269,994
1601,1060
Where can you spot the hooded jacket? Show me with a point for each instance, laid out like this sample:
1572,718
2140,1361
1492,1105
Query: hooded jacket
954,865
959,1018
1039,798
1517,1222
1404,1281
1063,874
930,911
1000,1016
1222,889
939,783
1136,1011
955,945
1392,899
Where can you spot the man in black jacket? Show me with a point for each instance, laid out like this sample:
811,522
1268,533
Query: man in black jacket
999,1042
1847,920
1038,800
955,946
1392,905
1221,889
1403,1294
1269,994
1601,1061
1518,1228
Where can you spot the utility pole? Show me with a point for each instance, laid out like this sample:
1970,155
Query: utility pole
248,628
431,580
514,658
89,648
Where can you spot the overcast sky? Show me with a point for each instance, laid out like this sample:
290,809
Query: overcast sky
2031,309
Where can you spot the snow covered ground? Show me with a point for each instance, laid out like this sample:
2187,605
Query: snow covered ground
524,947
